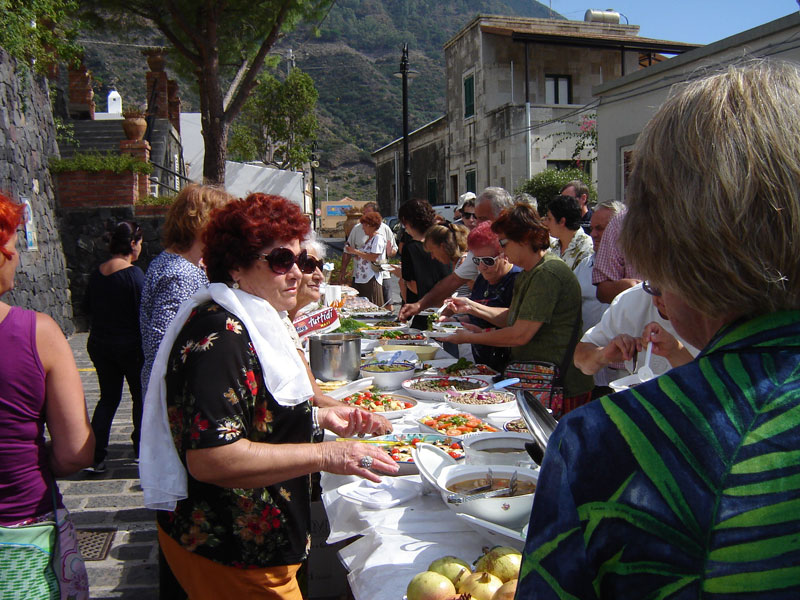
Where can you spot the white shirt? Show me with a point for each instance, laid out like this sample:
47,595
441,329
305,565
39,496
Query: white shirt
629,312
591,308
467,269
357,237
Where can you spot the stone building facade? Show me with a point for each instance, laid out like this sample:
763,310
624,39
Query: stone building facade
27,141
516,86
427,157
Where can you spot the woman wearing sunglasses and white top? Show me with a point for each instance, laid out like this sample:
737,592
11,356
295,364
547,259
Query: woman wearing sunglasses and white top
494,286
228,452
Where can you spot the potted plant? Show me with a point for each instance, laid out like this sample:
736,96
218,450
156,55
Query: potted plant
134,124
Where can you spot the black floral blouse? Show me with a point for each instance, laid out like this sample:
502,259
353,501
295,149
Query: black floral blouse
216,396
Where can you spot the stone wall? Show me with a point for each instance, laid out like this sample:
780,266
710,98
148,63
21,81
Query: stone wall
83,230
27,141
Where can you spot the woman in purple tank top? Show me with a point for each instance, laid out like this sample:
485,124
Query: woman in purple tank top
39,385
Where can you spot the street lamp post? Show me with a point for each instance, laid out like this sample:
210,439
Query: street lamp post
405,74
314,165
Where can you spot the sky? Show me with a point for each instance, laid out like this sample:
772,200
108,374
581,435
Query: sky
692,21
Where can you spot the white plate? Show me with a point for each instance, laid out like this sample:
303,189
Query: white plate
387,493
376,333
394,414
498,534
451,326
356,314
439,396
438,334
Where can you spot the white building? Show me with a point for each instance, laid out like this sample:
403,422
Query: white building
513,86
627,104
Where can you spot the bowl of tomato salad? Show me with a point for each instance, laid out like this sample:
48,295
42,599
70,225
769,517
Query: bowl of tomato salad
456,424
391,406
400,447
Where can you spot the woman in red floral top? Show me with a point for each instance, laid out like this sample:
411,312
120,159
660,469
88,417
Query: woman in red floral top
241,423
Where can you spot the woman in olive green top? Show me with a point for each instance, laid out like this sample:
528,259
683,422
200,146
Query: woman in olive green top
545,307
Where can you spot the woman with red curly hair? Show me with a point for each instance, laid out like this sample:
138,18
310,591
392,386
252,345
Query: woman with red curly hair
228,451
39,385
543,321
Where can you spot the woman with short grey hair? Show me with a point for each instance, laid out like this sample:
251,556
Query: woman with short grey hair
685,485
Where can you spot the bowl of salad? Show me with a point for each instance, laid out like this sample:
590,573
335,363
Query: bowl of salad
391,406
400,447
388,376
482,402
437,388
456,424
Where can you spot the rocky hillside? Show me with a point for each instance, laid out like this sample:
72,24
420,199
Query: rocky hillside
352,63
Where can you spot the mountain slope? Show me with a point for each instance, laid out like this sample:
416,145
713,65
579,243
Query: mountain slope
352,62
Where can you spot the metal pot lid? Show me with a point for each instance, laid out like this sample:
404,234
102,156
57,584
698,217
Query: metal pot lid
540,422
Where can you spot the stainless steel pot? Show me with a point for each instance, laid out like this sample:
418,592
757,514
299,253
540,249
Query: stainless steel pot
335,356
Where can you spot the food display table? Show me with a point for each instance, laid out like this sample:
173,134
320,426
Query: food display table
397,543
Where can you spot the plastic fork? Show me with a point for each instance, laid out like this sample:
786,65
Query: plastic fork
645,372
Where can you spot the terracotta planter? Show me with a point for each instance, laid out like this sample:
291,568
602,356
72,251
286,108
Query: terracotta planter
352,220
155,60
134,127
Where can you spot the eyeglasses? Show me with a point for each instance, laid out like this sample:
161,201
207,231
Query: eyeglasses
503,242
653,291
489,261
467,215
316,263
281,261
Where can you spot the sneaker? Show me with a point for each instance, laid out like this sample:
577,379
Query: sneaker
97,467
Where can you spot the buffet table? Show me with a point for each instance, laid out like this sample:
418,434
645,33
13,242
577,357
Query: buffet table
401,541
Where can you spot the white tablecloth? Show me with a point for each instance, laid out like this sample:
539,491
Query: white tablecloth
401,541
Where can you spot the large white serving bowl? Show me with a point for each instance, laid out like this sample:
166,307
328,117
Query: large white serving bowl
430,461
501,448
438,396
512,512
480,410
388,380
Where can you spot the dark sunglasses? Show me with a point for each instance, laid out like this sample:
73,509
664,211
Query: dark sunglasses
281,261
467,215
489,261
653,291
316,263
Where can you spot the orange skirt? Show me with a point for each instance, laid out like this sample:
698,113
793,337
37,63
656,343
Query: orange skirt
204,579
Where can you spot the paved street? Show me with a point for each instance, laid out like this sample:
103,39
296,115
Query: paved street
113,500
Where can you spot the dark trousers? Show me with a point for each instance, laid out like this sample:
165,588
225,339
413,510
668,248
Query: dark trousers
115,363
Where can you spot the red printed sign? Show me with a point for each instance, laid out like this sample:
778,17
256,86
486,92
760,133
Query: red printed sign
318,321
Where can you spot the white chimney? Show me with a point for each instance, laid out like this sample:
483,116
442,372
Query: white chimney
114,103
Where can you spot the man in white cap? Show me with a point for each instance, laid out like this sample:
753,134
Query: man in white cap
466,211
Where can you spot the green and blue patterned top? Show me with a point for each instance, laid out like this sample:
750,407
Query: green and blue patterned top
687,486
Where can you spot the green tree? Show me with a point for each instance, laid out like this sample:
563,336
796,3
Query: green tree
39,31
545,186
225,45
277,124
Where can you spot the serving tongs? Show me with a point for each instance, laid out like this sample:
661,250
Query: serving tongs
469,496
